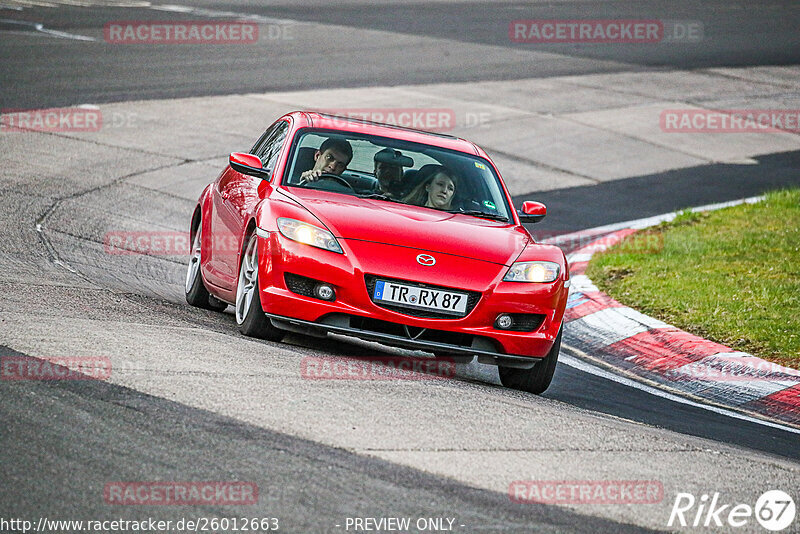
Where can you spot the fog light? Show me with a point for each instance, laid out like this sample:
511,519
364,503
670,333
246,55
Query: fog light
504,321
325,292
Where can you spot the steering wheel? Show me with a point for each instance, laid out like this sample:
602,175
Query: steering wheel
336,178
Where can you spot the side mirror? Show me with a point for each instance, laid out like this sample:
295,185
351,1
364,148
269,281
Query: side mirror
248,164
532,212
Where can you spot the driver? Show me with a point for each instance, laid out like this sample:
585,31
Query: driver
332,157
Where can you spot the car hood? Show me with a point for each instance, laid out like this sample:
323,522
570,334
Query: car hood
426,229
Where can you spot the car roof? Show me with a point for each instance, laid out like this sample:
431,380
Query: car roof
313,119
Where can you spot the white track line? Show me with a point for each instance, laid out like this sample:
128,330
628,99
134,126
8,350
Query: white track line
39,27
215,13
581,365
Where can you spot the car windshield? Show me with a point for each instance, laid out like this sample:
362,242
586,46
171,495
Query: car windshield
397,171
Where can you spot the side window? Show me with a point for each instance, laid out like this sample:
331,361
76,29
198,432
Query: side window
270,157
263,141
270,145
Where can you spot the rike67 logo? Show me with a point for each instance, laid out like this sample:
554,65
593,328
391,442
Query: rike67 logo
774,510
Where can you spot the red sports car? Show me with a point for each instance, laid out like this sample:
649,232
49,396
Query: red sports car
387,234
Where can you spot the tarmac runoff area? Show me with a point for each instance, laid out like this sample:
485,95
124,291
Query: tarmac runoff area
63,294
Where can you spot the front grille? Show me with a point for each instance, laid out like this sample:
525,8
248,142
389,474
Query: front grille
526,322
300,284
472,299
410,332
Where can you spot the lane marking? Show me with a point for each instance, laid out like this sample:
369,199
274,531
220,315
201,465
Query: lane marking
203,12
39,27
586,367
20,5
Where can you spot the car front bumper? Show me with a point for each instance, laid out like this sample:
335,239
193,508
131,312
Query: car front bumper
475,333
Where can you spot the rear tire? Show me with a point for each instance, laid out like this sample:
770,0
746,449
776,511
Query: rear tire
249,313
196,292
536,379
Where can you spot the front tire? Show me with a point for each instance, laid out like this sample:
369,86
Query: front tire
249,314
196,292
536,379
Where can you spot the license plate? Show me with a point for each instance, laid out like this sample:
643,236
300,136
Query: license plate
424,298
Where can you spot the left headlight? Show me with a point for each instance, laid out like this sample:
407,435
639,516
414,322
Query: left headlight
308,234
533,271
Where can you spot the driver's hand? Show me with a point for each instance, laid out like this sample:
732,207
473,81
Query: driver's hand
310,176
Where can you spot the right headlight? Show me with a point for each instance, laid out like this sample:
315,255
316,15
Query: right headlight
308,234
533,271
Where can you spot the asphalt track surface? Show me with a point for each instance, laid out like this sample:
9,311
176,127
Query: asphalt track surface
40,71
320,485
122,432
47,72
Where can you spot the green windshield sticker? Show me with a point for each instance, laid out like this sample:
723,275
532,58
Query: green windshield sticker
489,204
480,165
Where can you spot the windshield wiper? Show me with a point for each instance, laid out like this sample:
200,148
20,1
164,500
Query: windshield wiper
378,196
483,214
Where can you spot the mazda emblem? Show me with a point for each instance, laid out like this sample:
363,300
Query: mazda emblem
426,260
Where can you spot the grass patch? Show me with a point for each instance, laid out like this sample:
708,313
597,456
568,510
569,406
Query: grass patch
731,276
